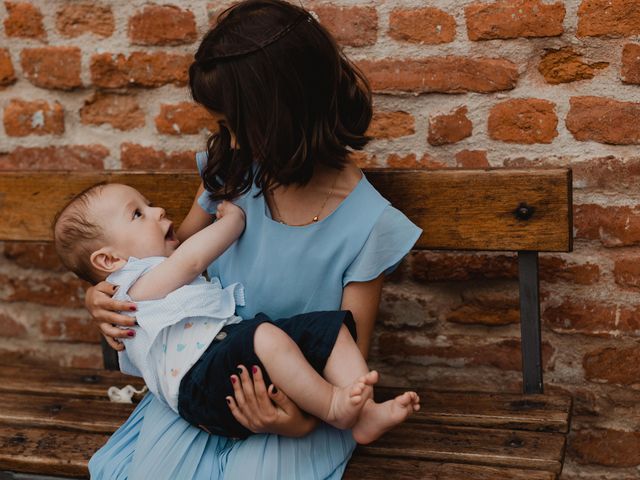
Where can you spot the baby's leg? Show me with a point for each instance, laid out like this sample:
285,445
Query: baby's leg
290,371
375,418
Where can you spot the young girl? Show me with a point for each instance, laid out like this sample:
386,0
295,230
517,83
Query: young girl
190,341
295,106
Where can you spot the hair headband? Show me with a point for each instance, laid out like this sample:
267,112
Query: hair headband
254,48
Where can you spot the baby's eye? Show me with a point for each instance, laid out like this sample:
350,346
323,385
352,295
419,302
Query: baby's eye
137,213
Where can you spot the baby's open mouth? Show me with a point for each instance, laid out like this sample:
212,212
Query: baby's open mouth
170,233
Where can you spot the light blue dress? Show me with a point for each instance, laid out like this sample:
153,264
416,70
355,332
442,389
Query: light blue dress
285,271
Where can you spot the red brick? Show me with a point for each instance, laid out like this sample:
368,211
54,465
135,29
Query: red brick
587,318
449,128
11,327
604,120
429,26
613,226
626,271
184,118
488,314
22,118
618,366
7,73
385,125
503,354
79,18
406,308
513,19
564,66
119,111
554,269
33,255
140,69
472,159
608,18
630,70
52,67
444,267
353,26
51,291
23,20
411,161
136,157
607,447
71,157
441,74
162,25
523,120
608,173
69,328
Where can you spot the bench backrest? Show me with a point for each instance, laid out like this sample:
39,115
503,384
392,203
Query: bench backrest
526,211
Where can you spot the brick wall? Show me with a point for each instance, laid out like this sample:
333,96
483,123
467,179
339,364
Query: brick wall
86,85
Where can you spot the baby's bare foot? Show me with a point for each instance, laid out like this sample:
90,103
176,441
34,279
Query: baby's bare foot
377,418
347,402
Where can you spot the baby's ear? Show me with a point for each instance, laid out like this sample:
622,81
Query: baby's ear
104,260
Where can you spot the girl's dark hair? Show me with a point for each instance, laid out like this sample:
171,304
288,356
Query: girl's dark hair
290,97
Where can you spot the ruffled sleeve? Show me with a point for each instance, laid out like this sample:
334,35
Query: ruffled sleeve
208,205
391,238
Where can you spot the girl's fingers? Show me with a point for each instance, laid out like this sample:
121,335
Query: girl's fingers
280,399
264,403
237,414
117,319
247,387
237,392
113,343
109,330
107,303
106,288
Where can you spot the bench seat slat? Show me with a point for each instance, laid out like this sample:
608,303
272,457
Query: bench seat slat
81,414
362,467
45,451
460,209
482,446
74,382
543,413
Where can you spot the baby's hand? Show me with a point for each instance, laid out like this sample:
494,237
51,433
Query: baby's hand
226,208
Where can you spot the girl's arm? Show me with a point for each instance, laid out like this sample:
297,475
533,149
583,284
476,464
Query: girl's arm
196,219
192,257
253,406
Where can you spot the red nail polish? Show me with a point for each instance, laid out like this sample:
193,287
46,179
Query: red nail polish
131,333
228,401
254,369
133,308
233,379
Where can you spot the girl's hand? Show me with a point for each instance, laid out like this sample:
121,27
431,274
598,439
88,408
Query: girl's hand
227,208
266,411
104,310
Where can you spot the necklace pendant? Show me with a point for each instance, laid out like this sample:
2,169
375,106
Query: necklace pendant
315,219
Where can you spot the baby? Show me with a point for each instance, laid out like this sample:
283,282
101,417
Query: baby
189,341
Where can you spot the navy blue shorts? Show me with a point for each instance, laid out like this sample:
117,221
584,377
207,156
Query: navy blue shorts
203,390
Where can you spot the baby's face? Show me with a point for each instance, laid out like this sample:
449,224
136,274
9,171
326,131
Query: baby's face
134,227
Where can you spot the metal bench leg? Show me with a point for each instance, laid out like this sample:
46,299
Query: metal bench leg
530,322
109,356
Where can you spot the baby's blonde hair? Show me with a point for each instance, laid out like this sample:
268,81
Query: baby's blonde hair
76,234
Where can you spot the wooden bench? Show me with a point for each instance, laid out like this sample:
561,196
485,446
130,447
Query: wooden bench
53,419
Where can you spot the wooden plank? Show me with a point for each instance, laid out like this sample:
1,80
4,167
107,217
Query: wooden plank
363,467
74,382
30,200
479,446
458,209
51,452
543,413
475,209
81,414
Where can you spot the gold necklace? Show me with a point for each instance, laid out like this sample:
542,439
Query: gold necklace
316,216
